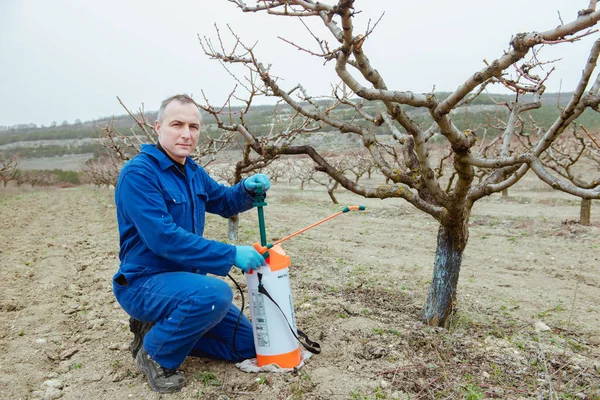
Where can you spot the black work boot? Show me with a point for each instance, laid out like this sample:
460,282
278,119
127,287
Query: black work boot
160,379
139,330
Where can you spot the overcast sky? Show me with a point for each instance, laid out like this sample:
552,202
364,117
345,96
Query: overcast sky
67,59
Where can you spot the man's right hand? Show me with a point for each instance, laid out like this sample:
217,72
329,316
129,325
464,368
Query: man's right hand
247,258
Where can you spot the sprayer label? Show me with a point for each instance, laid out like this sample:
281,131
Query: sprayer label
259,315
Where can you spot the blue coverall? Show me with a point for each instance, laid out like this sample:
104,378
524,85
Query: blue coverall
164,260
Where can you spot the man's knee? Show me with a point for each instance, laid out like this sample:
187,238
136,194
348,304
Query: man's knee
219,300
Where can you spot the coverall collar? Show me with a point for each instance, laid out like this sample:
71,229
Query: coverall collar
163,161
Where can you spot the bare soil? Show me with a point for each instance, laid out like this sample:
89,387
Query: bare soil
359,282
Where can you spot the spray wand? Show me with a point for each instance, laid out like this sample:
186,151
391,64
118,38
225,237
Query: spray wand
259,202
345,210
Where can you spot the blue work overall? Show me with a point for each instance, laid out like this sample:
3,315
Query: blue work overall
165,260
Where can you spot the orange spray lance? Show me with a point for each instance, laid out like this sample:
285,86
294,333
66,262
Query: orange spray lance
276,338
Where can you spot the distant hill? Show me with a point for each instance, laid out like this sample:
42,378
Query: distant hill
31,141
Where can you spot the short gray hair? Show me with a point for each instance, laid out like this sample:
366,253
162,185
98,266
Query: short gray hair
182,98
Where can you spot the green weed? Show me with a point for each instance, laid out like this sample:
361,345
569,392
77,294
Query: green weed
207,378
472,392
74,366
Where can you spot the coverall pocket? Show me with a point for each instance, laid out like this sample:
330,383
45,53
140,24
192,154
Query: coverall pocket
176,204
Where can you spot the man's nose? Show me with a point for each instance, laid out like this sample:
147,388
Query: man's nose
185,132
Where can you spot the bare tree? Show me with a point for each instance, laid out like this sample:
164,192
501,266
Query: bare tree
223,173
103,171
359,163
276,170
9,169
571,156
341,164
42,178
413,176
304,170
21,177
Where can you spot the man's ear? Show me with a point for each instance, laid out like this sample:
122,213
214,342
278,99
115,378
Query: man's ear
157,126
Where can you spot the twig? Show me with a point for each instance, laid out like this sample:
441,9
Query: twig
571,315
571,40
401,369
590,136
485,385
426,386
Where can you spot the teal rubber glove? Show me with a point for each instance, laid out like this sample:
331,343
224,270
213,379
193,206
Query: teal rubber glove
247,258
250,182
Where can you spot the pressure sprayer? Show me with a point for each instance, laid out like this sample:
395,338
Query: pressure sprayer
273,322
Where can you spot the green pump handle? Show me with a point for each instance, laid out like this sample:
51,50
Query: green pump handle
259,203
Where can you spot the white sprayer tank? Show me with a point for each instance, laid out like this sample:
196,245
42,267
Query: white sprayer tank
273,340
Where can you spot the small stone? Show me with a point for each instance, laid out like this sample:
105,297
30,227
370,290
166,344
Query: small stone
65,355
82,267
383,384
485,375
93,378
541,327
96,323
377,352
41,341
70,311
52,393
55,383
118,376
113,346
351,368
51,354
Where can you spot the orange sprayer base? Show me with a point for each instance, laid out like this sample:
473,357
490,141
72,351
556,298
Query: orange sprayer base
286,360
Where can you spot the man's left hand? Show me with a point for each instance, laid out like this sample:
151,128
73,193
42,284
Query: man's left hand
251,182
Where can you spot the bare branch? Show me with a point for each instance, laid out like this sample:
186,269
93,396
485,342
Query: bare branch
520,44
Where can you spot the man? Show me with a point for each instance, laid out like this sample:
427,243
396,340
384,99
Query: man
177,310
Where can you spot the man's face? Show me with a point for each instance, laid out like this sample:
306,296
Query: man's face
179,130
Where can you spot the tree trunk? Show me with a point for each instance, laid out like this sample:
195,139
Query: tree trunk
451,243
585,212
332,196
232,231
